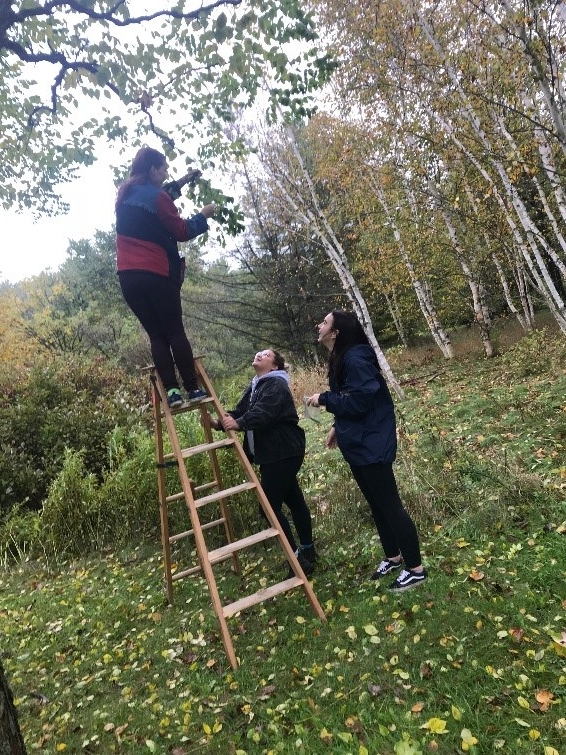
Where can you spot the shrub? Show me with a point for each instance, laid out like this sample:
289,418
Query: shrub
71,520
58,404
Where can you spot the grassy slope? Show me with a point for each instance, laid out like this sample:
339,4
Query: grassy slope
100,664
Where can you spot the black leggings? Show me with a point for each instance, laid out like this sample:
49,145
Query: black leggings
156,302
280,485
396,529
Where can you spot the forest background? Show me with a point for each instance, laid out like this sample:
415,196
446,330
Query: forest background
422,186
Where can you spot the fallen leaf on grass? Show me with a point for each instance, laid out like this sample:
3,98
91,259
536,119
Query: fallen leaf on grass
266,692
476,575
545,698
435,726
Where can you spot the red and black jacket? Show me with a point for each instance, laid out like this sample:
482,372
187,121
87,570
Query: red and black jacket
148,228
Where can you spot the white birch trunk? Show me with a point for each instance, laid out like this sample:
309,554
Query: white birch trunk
314,217
424,298
480,309
542,275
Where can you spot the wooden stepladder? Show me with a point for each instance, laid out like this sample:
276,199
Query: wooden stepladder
213,492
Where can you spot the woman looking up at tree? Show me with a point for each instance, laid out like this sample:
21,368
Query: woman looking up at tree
275,441
364,430
148,228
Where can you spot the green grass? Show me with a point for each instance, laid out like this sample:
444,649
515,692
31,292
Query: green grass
469,662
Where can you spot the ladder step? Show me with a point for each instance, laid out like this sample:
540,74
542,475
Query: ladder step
186,453
187,533
199,488
194,450
187,406
260,595
257,537
225,493
194,569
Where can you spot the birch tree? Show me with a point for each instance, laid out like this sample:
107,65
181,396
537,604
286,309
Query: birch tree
296,189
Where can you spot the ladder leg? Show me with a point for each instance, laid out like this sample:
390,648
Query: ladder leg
264,502
224,510
162,491
207,558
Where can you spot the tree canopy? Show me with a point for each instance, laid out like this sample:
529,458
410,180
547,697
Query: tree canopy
75,72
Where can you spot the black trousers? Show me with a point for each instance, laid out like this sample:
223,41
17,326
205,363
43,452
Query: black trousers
280,485
396,529
156,302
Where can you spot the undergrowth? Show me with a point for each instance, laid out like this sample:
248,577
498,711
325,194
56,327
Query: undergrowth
474,661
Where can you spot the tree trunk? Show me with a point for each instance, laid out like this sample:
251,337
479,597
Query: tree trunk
11,742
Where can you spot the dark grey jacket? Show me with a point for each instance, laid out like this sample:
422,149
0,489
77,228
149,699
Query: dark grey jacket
270,412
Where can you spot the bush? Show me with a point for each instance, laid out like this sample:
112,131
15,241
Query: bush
71,520
58,404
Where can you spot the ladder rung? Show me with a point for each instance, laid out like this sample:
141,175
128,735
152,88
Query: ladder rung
260,595
198,489
187,406
194,450
225,493
194,569
245,542
186,533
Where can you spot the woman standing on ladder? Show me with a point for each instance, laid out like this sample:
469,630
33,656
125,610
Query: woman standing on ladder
150,270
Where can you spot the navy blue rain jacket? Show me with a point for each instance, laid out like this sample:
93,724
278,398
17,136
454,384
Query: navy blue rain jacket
363,410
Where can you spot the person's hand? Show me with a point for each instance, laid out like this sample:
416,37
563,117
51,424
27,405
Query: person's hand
330,441
215,423
313,400
208,210
229,423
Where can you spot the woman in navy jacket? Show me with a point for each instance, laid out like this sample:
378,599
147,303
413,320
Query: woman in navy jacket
365,432
275,441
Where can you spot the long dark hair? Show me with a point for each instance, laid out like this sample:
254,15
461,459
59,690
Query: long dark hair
278,360
146,158
349,332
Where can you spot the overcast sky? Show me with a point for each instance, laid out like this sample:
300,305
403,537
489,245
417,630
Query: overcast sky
29,246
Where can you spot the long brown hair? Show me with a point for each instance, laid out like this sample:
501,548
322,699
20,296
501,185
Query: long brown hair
146,158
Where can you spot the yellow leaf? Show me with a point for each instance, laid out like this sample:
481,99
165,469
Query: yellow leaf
61,746
300,619
534,734
467,738
435,725
207,729
548,750
370,629
456,713
363,750
523,703
351,632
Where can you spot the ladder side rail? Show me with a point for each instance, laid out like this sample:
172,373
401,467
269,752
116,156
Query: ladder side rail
266,506
162,488
223,504
200,542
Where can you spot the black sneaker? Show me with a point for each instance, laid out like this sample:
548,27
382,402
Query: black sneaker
305,565
386,567
309,552
407,580
174,398
196,395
